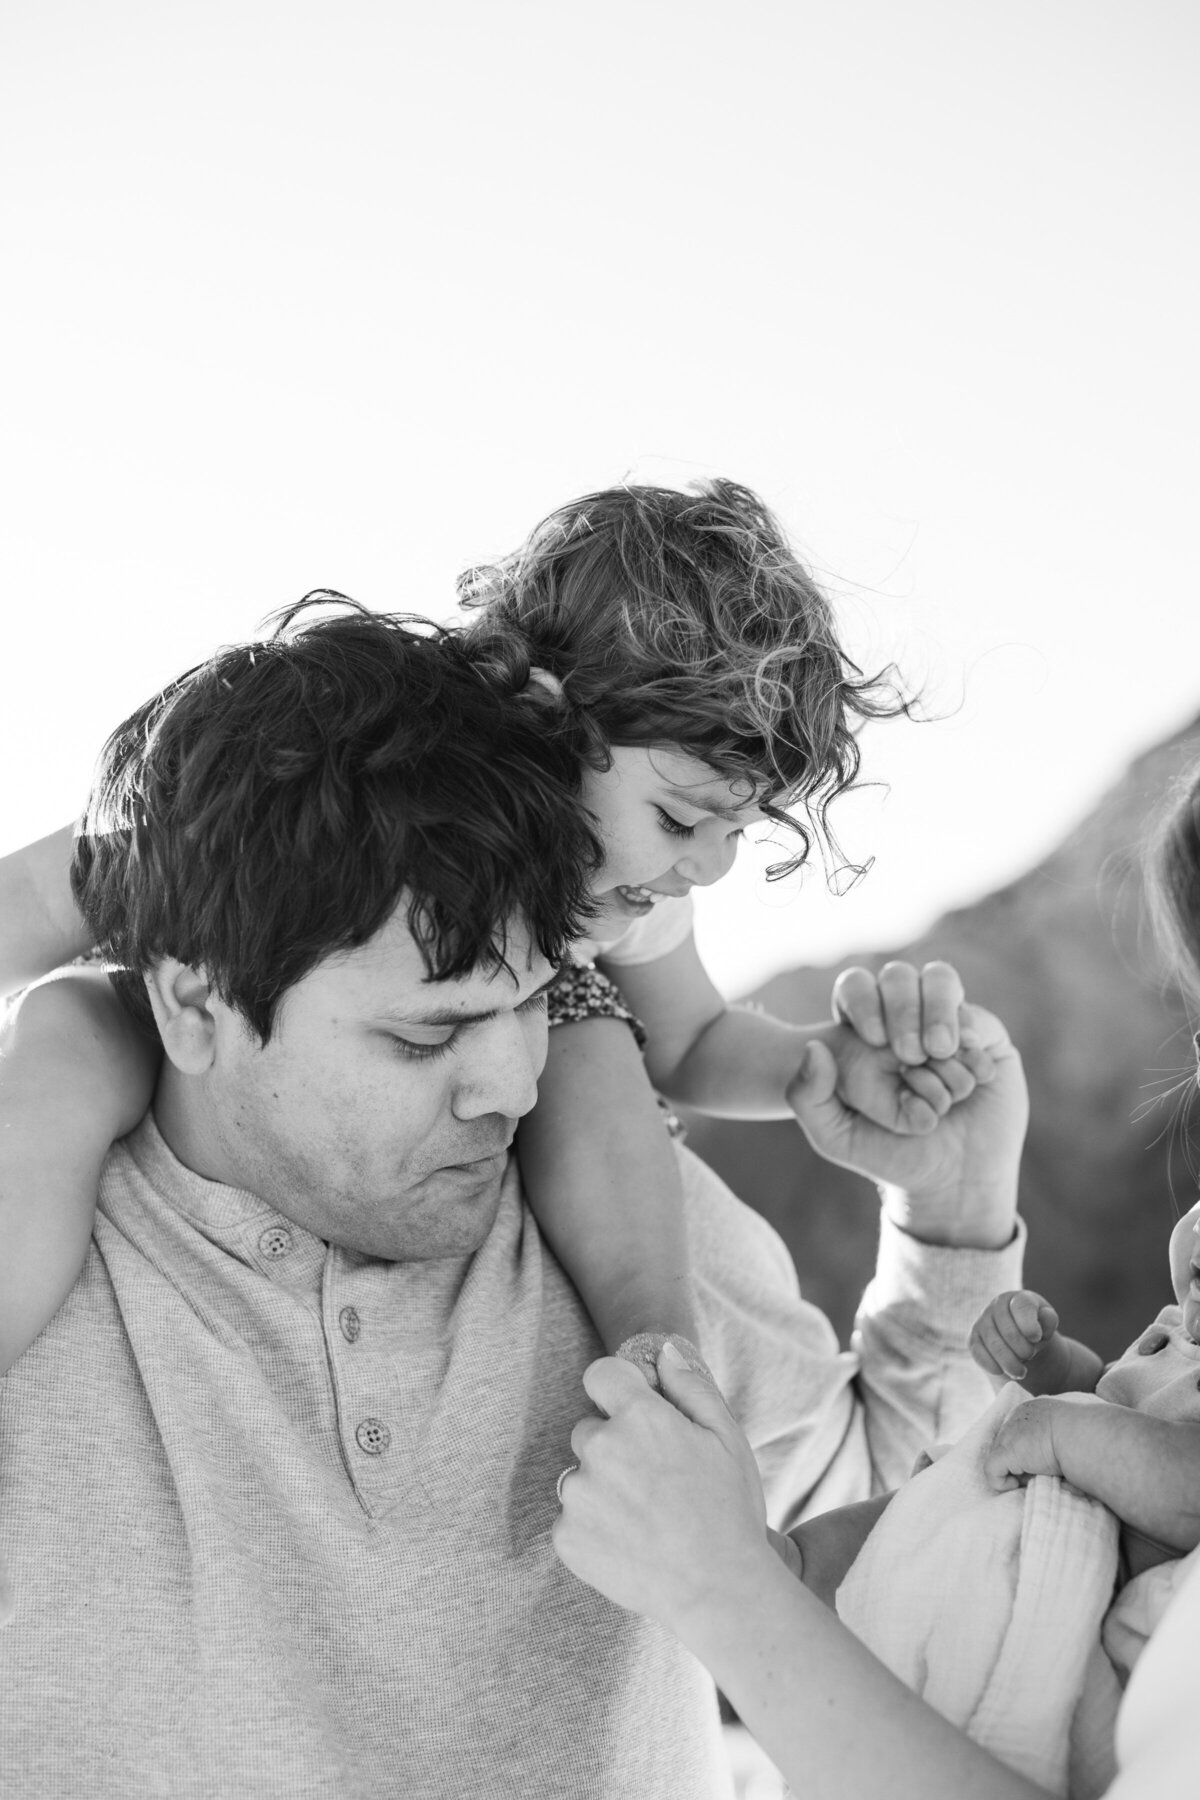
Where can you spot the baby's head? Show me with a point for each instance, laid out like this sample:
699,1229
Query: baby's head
1173,891
1185,1269
702,659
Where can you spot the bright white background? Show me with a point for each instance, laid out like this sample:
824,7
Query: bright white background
351,293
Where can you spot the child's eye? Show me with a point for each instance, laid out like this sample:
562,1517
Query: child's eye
674,826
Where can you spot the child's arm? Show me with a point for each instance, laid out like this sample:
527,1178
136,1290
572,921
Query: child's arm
609,1197
602,1177
1017,1338
41,928
738,1063
827,1544
1146,1470
75,1073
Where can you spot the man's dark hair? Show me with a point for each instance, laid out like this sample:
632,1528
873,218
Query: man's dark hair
276,804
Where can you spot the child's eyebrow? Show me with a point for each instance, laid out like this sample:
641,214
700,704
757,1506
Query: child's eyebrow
720,809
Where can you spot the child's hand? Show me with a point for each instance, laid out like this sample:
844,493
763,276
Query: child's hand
1024,1444
1011,1331
913,1013
930,1058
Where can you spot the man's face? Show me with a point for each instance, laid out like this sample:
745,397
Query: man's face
380,1113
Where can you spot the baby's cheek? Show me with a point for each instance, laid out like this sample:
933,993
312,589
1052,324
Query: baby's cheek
1183,1247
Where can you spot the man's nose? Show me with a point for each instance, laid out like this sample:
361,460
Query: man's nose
508,1054
704,864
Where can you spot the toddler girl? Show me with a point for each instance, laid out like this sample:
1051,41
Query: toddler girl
711,694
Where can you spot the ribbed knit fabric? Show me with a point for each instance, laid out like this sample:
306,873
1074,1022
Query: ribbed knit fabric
277,1515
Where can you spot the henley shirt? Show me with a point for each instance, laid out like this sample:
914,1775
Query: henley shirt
277,1515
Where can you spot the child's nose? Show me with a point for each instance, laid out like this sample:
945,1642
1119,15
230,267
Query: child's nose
704,866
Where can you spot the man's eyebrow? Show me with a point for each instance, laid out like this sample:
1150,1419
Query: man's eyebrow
720,809
446,1015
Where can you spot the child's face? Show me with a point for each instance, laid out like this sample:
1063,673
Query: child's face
669,823
1185,1270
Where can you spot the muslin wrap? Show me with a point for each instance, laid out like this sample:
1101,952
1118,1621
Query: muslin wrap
990,1606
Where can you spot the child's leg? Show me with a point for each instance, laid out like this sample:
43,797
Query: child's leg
829,1542
601,1173
39,926
75,1073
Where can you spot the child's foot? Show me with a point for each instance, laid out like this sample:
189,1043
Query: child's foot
642,1350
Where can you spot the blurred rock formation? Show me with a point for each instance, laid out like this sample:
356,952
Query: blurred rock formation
1064,956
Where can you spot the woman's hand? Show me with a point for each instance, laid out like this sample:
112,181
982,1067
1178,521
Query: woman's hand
665,1514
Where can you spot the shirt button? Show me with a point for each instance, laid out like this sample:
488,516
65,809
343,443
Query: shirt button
275,1242
373,1437
350,1323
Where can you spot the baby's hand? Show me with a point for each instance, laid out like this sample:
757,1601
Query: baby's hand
1024,1444
1011,1331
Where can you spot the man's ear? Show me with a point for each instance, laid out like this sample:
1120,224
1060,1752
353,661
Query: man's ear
180,998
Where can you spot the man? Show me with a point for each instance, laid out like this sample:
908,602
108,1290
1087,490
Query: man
277,1483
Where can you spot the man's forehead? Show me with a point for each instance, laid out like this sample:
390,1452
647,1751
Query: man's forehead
390,973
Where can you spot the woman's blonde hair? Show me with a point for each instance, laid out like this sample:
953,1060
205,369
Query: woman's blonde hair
686,619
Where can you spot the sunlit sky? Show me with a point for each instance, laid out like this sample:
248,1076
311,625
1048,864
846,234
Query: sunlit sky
350,294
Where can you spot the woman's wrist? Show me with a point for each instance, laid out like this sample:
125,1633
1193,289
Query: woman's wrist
708,1620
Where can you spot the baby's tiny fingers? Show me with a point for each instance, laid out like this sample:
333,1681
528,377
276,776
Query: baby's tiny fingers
1008,1348
987,1343
998,1475
1024,1308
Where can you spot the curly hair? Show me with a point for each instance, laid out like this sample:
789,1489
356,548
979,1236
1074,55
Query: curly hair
1172,881
686,619
277,803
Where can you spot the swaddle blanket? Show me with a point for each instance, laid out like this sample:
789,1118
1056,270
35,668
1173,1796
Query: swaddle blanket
990,1605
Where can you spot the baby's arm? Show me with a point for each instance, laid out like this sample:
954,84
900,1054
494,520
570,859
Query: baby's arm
1016,1338
1145,1469
41,928
75,1073
603,1180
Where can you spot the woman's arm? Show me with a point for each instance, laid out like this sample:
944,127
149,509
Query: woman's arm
75,1073
665,1516
40,928
603,1180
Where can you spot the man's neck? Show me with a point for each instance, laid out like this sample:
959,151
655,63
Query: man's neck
187,1127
